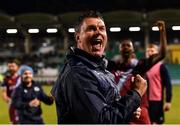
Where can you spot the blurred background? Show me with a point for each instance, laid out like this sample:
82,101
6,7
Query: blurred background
38,32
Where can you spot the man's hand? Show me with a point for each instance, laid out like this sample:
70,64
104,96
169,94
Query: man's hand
137,113
167,106
34,103
5,97
140,84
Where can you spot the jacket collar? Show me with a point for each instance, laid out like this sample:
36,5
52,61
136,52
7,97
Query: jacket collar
86,57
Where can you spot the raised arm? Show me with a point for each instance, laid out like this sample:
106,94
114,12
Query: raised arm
145,64
163,42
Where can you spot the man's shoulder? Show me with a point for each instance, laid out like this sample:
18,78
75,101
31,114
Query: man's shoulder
77,65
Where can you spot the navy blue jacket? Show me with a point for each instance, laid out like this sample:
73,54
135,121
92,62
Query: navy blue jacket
21,98
166,82
85,92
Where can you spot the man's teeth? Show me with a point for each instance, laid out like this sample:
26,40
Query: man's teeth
96,40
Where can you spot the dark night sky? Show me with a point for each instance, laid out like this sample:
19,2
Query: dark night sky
15,7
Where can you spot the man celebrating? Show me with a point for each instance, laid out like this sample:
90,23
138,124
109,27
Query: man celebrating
85,91
128,65
27,98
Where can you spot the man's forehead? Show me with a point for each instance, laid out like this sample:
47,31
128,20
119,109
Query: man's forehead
91,20
126,42
12,64
151,49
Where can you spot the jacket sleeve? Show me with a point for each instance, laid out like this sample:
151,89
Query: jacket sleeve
17,100
145,64
90,106
45,98
166,81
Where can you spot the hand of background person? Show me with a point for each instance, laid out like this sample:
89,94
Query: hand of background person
167,106
7,100
51,96
34,103
161,25
139,84
5,97
137,113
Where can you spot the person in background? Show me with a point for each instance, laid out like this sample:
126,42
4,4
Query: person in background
85,91
8,85
27,98
158,79
128,65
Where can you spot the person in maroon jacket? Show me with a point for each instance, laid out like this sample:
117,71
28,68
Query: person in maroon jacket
8,86
128,65
158,79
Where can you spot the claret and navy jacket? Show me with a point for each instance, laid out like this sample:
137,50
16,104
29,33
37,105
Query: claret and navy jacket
85,92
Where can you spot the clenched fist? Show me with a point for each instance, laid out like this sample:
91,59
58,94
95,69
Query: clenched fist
34,103
161,25
139,84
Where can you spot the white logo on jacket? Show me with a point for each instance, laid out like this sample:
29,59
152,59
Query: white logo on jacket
36,89
25,91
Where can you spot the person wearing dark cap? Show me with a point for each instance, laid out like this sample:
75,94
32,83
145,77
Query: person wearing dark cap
27,98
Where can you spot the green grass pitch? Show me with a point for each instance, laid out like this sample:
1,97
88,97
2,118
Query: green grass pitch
49,112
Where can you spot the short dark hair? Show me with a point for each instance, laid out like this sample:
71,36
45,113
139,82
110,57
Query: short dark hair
87,14
16,61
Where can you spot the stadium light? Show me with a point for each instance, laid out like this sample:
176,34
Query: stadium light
11,44
115,29
33,30
11,31
175,27
155,28
133,29
71,30
51,30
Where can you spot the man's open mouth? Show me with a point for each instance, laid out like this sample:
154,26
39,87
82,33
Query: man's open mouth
96,41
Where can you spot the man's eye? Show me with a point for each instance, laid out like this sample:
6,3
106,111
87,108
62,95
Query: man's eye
91,28
102,28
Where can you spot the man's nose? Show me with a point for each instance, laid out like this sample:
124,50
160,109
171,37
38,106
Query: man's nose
126,46
97,31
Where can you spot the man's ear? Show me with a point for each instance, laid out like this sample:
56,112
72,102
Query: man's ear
76,37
